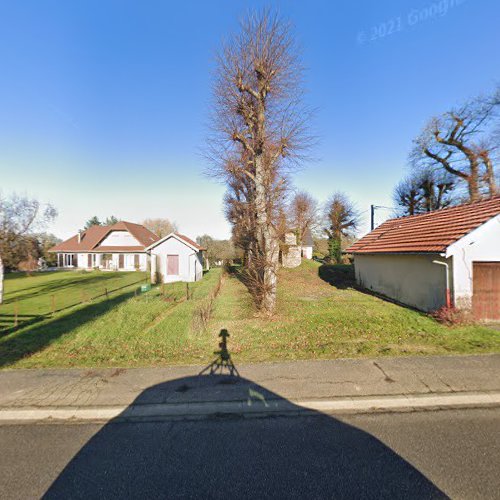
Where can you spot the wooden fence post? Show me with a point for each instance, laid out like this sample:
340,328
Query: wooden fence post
187,291
106,292
53,304
16,312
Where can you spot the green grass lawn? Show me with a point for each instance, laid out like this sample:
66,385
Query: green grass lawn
34,296
320,315
157,327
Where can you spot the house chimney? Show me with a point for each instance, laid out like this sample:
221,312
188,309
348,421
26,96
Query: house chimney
80,236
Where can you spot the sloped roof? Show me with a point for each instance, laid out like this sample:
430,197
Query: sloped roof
190,241
180,237
308,241
427,233
141,233
90,239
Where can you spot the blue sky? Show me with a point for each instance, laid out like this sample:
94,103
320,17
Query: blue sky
103,104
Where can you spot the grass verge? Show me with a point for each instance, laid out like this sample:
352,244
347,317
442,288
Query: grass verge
319,320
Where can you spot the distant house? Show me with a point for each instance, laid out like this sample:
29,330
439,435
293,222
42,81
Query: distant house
307,245
131,247
176,258
447,257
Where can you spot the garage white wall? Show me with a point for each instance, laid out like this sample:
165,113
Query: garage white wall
482,245
410,279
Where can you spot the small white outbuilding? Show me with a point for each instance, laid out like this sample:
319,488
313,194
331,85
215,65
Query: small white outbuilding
447,257
175,258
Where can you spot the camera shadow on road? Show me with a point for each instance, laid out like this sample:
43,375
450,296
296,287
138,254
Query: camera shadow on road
234,456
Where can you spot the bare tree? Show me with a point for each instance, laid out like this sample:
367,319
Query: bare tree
303,214
160,227
341,219
258,134
455,142
423,191
19,215
217,250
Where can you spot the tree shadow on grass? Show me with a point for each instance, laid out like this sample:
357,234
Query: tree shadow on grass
34,338
232,456
64,285
338,275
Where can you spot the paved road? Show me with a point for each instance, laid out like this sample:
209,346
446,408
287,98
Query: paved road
409,455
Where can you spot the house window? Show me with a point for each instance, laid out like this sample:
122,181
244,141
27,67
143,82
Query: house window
89,260
121,261
137,263
173,265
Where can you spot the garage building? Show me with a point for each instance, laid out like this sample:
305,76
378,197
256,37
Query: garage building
447,257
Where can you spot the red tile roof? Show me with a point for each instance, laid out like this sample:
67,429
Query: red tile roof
190,241
90,239
428,233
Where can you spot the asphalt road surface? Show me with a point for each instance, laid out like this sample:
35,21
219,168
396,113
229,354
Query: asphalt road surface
410,455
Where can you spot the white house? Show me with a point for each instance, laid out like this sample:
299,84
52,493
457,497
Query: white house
307,245
176,258
121,246
447,257
131,247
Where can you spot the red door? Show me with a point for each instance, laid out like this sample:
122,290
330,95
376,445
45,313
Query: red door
173,265
121,261
89,260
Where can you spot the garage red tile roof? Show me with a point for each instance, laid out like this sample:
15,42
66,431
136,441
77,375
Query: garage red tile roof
427,233
90,239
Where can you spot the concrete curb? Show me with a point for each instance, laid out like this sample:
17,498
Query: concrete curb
402,403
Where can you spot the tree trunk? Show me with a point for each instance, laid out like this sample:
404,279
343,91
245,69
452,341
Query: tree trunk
268,242
473,178
490,175
2,272
473,184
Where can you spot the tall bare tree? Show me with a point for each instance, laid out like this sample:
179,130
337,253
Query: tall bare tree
341,220
19,215
258,134
303,213
423,191
161,227
455,142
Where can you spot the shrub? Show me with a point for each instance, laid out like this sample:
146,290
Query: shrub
452,316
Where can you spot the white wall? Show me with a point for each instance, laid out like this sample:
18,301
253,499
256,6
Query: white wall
119,239
307,252
481,245
190,262
410,279
128,261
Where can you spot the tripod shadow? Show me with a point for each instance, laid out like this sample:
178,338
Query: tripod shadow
223,361
227,455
